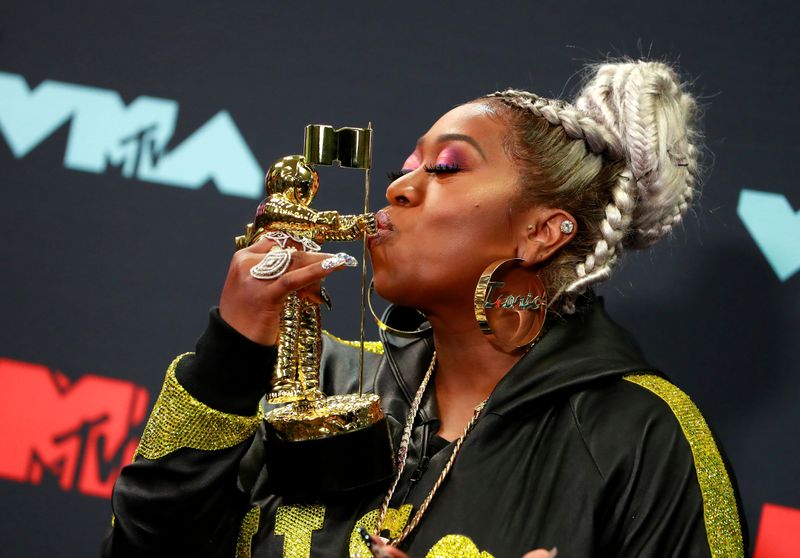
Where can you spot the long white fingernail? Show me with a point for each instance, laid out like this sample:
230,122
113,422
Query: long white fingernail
553,553
339,260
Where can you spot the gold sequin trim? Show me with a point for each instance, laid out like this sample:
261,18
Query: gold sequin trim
723,528
179,421
297,523
456,546
395,521
375,347
248,528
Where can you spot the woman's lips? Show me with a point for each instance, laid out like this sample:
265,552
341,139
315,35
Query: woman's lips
385,228
383,221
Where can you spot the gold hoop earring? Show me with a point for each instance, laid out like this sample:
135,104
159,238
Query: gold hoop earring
510,305
420,332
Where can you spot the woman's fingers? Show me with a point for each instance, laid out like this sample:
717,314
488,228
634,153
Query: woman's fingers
312,293
391,552
377,547
304,270
381,550
251,302
312,268
542,553
317,294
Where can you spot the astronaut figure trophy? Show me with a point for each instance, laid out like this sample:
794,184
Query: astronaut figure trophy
306,427
285,216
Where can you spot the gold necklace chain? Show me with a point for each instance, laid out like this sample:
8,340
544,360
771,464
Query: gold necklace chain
402,454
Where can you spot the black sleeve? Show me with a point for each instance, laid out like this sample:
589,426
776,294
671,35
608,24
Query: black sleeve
668,491
180,497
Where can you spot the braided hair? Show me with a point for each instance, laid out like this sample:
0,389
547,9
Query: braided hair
622,159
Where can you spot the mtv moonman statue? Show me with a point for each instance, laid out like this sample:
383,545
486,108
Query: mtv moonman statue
284,215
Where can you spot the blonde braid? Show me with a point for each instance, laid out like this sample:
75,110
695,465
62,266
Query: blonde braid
597,265
643,103
577,124
635,118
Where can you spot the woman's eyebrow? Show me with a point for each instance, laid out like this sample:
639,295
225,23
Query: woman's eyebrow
457,137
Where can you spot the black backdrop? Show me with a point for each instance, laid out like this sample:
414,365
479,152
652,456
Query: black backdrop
109,265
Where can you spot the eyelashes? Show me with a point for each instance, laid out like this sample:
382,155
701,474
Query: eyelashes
446,168
443,168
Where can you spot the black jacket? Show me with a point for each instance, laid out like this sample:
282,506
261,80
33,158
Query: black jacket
582,446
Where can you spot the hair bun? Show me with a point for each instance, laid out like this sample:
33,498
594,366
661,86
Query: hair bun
645,105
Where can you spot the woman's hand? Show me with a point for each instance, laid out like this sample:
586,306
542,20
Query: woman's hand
392,552
542,553
380,549
253,306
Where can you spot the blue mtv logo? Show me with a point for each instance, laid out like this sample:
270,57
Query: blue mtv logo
105,131
775,226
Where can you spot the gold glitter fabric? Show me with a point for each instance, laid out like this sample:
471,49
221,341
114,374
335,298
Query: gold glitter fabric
297,523
456,546
374,347
395,521
248,528
723,527
179,421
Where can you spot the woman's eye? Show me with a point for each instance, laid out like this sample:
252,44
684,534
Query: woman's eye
443,168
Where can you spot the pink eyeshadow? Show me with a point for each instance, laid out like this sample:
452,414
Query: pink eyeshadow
412,162
451,157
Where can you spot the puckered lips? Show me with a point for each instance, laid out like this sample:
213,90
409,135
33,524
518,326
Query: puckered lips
384,227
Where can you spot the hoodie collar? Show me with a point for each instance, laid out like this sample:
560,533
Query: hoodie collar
576,351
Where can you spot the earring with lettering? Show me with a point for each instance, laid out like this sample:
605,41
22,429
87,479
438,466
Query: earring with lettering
510,304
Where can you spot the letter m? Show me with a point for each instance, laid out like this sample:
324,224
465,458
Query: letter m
79,434
100,122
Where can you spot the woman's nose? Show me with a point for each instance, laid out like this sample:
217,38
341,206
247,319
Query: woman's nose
404,191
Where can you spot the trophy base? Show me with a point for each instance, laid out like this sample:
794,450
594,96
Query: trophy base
293,395
329,445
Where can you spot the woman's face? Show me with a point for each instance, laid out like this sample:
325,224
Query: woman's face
450,214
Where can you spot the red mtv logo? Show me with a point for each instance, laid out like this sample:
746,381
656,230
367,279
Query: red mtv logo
81,433
778,532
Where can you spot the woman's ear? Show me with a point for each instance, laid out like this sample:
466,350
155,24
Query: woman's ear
541,232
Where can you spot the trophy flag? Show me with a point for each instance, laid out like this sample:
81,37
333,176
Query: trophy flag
352,148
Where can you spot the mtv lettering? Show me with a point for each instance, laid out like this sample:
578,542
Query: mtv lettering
104,131
78,435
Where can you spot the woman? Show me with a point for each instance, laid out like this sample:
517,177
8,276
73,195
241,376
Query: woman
576,443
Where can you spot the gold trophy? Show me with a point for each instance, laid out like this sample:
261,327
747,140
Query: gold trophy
306,427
